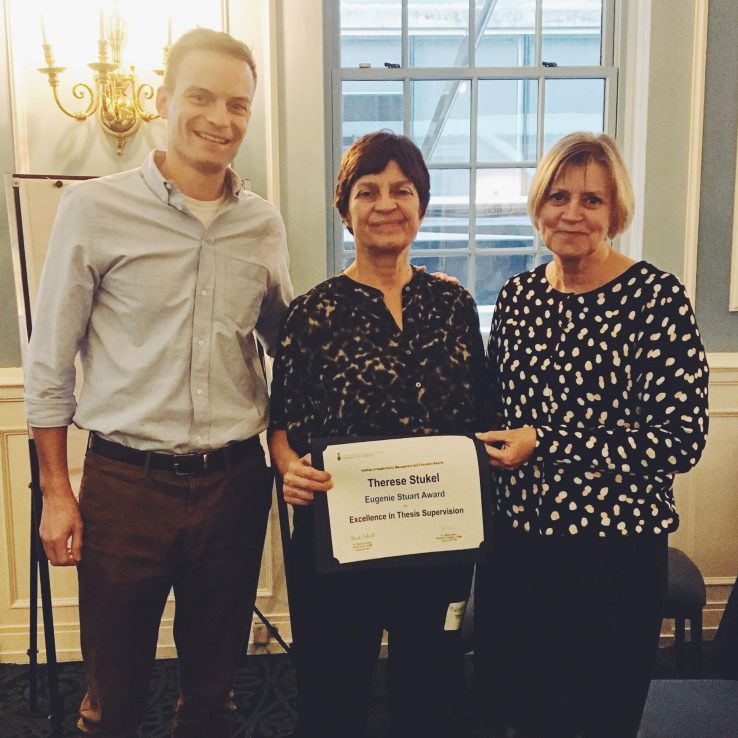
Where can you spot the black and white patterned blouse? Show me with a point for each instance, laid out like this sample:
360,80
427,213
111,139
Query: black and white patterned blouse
615,382
344,368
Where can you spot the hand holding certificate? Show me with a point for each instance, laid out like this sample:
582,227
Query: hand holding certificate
401,497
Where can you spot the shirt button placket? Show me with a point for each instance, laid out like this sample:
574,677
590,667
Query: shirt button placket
202,324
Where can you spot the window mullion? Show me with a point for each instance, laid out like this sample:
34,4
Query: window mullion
471,57
337,100
407,101
472,262
607,56
405,35
540,115
611,97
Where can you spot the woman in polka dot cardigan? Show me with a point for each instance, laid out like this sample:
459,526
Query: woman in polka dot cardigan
602,381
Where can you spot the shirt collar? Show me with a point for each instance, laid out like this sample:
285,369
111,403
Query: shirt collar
168,192
418,277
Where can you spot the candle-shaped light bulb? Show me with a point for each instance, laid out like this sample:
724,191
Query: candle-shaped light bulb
102,25
43,31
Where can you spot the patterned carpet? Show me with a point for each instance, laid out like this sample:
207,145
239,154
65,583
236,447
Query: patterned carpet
264,694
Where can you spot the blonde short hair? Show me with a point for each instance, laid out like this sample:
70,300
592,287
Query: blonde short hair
580,149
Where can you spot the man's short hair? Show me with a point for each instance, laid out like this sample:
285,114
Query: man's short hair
371,154
205,39
580,149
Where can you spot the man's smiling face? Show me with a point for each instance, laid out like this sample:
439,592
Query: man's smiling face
207,110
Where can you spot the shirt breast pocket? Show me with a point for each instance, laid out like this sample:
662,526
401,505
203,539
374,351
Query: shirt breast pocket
244,285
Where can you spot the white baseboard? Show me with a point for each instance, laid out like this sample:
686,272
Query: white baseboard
14,640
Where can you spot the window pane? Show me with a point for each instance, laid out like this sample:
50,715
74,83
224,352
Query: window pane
446,222
501,202
438,33
492,271
573,105
348,243
454,266
571,20
441,119
369,106
507,30
371,32
506,124
572,50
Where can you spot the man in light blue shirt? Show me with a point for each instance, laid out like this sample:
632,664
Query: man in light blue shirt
159,278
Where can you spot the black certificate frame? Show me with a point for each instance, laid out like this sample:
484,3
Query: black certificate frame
326,561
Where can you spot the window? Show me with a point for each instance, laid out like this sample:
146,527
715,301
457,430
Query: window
483,87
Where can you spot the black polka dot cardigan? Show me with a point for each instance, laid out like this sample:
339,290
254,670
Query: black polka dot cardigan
615,383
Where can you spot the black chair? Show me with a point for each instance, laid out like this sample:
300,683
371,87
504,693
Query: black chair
685,597
699,708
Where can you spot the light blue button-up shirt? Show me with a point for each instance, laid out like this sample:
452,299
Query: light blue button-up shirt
162,312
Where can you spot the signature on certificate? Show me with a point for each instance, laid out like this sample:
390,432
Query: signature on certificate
362,541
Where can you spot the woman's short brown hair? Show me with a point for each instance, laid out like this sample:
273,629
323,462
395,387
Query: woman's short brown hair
579,149
371,154
205,39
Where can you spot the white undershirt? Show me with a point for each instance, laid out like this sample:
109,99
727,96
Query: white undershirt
205,210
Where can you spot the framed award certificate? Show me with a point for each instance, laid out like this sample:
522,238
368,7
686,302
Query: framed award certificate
400,501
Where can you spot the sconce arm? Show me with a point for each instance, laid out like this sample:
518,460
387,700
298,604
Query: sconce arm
80,90
147,91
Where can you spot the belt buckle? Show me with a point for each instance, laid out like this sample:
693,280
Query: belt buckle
183,465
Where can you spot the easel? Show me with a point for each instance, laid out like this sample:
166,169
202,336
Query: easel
39,569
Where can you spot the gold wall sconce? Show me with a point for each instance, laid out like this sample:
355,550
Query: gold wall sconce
116,96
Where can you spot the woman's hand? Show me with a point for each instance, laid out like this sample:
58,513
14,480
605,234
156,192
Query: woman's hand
511,448
302,480
438,275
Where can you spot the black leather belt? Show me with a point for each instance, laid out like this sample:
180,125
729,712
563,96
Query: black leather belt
183,465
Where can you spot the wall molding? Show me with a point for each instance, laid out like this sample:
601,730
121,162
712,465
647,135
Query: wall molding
718,591
24,603
11,377
720,581
14,639
723,389
722,363
694,153
11,528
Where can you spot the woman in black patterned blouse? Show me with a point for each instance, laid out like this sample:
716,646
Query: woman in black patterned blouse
380,350
602,383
